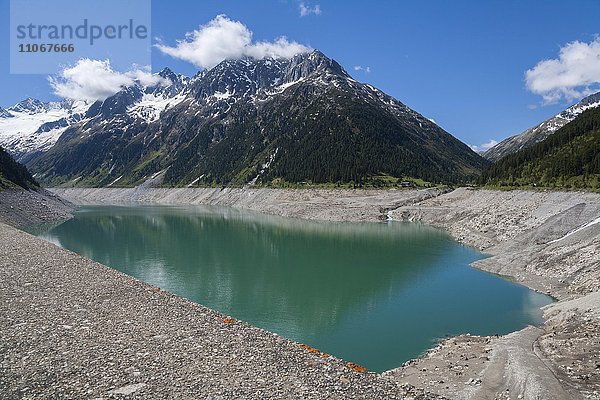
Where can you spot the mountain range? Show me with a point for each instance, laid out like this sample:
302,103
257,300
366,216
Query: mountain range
31,127
540,132
248,121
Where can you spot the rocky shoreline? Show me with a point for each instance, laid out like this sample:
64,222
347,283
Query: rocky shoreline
314,204
548,241
545,240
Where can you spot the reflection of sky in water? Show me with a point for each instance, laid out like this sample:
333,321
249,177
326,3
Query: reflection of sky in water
374,293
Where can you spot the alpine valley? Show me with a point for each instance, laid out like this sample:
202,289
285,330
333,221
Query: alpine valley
243,122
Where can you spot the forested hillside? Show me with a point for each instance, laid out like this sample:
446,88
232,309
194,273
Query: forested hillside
13,174
570,158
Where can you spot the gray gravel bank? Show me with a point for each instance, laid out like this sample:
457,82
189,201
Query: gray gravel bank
28,207
317,204
549,241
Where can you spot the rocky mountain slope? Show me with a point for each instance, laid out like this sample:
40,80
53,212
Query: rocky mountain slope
542,131
250,121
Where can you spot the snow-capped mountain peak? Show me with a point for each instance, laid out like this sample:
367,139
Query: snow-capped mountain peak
4,113
29,106
33,126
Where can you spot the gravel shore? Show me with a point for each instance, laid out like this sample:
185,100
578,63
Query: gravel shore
29,207
315,204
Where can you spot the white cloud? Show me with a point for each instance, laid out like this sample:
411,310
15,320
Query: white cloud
92,80
147,78
361,68
574,74
225,39
306,10
483,147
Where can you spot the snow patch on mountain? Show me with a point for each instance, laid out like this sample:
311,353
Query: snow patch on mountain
151,105
4,113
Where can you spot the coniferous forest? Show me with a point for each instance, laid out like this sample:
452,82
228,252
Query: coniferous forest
570,159
14,174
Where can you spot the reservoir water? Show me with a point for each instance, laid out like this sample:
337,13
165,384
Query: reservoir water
377,294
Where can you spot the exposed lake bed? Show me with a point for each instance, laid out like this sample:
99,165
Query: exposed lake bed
516,228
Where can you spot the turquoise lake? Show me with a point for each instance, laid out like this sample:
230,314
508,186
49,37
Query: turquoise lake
377,294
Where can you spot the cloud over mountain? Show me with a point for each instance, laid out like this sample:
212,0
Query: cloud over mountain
92,80
574,74
225,39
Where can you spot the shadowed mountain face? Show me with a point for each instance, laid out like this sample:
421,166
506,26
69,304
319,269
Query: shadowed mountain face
254,121
13,174
540,132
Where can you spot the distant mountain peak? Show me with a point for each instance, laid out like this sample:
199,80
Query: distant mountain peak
29,105
592,98
303,65
167,73
33,127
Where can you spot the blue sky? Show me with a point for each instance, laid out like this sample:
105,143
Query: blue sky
462,63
